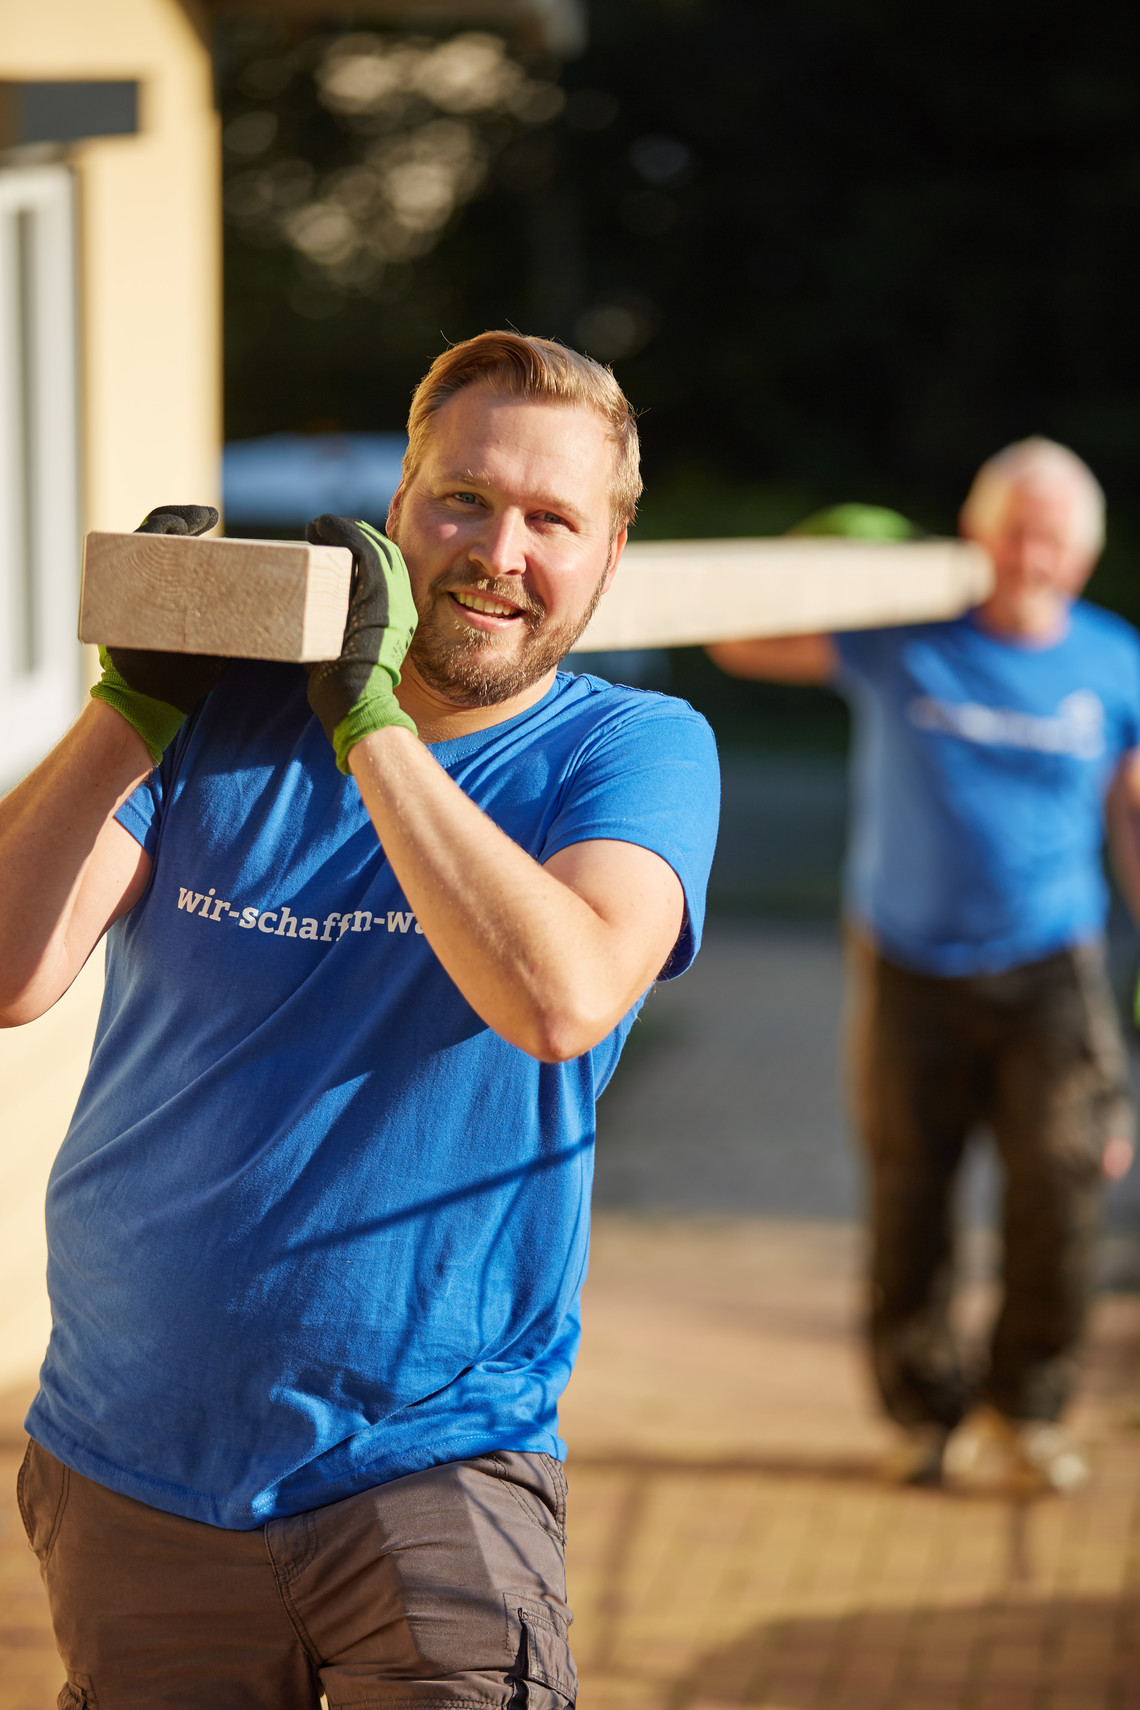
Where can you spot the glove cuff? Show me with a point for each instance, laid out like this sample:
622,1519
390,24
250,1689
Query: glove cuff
373,711
157,722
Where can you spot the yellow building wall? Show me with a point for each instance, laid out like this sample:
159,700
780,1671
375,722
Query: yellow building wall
150,329
150,226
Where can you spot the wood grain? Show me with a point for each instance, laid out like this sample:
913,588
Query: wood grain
676,593
243,599
272,599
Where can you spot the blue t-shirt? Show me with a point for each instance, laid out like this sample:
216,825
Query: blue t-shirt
979,774
314,1225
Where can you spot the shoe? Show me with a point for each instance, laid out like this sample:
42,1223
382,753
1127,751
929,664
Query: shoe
992,1455
1048,1452
916,1458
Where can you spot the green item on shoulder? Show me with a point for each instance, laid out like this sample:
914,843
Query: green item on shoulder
859,522
156,692
354,694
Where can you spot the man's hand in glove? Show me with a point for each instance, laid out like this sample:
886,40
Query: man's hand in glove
155,692
353,695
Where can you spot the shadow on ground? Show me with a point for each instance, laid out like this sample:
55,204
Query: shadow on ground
1069,1651
869,1599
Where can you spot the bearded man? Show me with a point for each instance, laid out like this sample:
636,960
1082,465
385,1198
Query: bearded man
318,1229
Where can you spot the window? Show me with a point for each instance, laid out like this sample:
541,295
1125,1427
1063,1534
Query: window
40,662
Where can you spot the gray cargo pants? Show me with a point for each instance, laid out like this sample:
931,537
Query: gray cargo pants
442,1589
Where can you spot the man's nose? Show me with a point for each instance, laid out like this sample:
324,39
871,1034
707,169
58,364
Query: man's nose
1039,556
500,547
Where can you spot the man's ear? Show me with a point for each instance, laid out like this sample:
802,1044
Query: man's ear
615,556
393,516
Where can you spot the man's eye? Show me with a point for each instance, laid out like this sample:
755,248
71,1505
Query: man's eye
553,517
466,498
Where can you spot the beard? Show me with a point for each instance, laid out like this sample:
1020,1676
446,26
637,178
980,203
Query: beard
472,668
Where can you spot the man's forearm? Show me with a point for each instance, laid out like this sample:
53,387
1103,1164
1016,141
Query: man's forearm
50,826
778,658
1122,815
539,964
1124,849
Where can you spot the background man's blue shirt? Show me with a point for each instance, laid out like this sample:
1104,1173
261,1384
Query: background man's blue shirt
979,774
314,1224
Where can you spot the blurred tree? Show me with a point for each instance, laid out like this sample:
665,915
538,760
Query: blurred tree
835,249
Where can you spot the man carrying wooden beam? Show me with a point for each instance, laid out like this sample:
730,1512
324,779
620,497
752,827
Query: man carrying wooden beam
317,1232
985,751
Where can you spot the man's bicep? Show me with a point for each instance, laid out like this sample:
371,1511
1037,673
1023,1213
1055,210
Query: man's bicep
638,895
115,878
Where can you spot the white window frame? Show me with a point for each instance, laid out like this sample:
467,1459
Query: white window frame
40,659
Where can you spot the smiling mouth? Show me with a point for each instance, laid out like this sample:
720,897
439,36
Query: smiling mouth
483,603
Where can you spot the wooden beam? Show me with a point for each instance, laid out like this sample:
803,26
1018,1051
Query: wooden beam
272,599
244,599
676,593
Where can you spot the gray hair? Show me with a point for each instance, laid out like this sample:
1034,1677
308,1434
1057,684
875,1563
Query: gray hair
1034,462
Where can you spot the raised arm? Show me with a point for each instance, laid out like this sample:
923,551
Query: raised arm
779,659
69,868
551,957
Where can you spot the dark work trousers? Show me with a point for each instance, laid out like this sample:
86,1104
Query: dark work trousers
1035,1052
443,1590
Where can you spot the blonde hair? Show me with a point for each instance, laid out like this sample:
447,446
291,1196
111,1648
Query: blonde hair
516,365
1034,462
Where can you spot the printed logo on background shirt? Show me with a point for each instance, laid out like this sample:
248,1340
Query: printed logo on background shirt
1077,727
281,922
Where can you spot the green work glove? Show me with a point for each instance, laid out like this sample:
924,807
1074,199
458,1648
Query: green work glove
353,695
155,692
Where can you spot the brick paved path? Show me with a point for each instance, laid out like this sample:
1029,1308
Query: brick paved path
729,1544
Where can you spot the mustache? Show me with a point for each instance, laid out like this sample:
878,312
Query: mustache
466,579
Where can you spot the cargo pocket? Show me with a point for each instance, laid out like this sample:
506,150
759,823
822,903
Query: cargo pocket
77,1694
42,1489
545,1665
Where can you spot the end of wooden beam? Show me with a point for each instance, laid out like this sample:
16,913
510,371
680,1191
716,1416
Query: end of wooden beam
242,599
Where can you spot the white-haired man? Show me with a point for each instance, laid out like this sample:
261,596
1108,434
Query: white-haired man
987,751
318,1228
